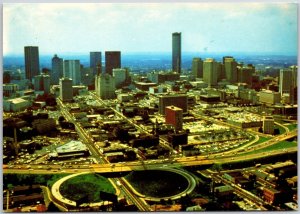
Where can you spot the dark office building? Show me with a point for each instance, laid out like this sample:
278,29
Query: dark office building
57,69
176,52
178,100
95,62
32,64
112,60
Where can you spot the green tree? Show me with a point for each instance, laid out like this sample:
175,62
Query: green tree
217,167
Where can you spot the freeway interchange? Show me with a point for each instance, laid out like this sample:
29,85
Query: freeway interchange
102,165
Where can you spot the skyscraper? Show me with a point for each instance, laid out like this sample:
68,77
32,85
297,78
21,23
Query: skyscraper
105,86
57,69
288,82
72,71
32,63
112,60
120,75
176,52
95,61
42,83
210,72
197,68
230,69
245,74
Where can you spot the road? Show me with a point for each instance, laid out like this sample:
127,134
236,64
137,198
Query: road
138,165
162,141
84,136
87,139
240,191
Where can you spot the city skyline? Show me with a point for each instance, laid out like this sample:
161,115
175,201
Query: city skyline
137,27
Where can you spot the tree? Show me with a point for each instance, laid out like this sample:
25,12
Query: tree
52,207
217,167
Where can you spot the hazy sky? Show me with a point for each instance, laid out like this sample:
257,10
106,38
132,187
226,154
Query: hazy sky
134,27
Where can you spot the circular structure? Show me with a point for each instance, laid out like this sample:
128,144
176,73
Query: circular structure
165,184
86,186
67,194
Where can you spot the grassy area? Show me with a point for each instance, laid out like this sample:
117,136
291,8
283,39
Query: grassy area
277,146
87,185
281,130
261,140
291,127
157,183
29,179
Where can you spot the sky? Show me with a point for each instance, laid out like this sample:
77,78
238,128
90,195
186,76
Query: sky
148,27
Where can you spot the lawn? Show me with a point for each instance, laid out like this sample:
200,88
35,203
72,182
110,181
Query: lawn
157,183
86,186
291,127
277,146
281,130
261,140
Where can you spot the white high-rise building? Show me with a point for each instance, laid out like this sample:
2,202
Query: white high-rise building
105,86
210,72
66,90
72,71
120,75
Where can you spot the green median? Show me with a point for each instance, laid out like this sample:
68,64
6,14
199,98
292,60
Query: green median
278,146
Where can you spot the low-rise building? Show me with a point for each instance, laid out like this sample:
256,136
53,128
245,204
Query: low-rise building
74,148
269,97
268,125
9,89
114,157
16,104
144,86
271,195
244,120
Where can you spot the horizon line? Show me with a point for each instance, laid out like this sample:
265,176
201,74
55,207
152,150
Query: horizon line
164,52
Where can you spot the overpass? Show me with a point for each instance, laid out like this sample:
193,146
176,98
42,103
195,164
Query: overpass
141,165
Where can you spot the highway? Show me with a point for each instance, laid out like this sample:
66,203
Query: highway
87,139
137,165
103,166
139,202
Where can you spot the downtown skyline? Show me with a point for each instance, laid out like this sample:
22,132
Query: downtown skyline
146,27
